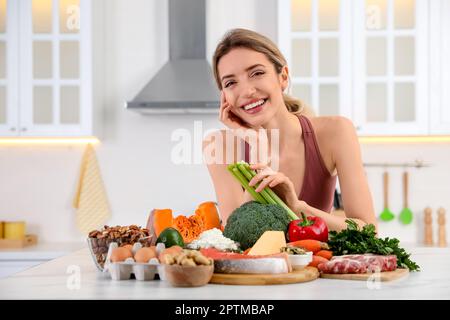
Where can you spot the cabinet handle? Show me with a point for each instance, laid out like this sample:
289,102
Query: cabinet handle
358,128
12,129
23,129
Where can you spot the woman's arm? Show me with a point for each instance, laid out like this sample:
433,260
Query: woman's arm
352,179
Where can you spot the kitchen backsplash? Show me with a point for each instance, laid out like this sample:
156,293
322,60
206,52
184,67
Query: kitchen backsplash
38,182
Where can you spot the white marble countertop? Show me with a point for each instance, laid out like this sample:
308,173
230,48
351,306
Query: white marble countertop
41,251
74,276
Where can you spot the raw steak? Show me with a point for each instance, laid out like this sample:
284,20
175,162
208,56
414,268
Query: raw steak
359,263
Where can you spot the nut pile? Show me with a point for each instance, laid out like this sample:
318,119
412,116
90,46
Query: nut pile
99,240
187,258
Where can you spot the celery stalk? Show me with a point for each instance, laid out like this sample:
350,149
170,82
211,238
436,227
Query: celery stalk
274,196
238,175
264,193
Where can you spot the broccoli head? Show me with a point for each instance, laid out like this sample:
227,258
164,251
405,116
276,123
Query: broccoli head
248,222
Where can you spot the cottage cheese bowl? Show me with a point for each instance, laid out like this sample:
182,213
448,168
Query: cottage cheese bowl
213,238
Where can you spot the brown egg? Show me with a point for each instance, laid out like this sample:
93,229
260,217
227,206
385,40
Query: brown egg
128,246
144,255
120,254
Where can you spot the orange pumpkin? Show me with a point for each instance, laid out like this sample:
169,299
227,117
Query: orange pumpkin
162,219
206,217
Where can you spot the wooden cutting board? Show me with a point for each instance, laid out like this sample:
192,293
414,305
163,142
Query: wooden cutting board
307,274
382,276
28,240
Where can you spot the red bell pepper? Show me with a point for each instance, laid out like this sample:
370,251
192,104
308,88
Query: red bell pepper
308,228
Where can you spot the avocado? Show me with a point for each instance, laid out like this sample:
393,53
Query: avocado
170,237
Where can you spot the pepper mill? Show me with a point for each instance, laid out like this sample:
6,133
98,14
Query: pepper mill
442,241
428,227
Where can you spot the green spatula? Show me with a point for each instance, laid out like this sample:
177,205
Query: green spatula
406,215
386,214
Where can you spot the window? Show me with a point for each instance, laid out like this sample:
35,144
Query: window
363,59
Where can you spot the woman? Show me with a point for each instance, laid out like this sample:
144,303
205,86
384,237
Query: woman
252,75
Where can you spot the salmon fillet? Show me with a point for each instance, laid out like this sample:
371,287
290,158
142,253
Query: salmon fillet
229,262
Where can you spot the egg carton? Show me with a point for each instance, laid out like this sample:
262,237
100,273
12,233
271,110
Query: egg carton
99,249
141,271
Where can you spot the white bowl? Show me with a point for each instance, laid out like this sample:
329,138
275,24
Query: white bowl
300,261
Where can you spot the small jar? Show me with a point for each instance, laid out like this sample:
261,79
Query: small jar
14,230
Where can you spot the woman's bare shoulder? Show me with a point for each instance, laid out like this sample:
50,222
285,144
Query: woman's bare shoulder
332,132
332,127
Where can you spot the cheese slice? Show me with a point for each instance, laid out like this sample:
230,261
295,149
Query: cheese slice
269,243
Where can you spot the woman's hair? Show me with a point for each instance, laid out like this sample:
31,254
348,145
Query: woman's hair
243,38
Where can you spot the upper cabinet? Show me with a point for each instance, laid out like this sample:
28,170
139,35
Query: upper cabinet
368,60
440,66
45,68
315,38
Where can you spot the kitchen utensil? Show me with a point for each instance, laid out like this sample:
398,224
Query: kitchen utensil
304,275
428,221
442,240
406,215
386,214
381,276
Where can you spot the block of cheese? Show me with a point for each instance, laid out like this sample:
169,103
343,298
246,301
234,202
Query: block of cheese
269,243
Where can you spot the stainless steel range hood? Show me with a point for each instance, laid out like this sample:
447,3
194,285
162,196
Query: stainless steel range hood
185,84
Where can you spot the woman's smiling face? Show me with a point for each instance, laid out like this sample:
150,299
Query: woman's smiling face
251,85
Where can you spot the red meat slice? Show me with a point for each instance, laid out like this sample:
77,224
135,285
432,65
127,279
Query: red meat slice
359,263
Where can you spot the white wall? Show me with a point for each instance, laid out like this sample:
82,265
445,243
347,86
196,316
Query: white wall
37,182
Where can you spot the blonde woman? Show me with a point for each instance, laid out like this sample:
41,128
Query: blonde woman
252,75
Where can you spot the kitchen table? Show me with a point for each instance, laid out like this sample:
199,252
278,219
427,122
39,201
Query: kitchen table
74,276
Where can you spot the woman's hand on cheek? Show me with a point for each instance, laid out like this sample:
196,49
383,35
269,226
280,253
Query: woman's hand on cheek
227,117
278,182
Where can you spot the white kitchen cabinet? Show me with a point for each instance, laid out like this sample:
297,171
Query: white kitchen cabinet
315,38
440,67
46,79
367,60
8,69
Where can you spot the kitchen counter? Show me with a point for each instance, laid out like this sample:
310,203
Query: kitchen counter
74,276
41,251
15,260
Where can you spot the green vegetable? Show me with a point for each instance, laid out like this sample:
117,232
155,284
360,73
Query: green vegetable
248,222
242,172
170,237
352,240
244,182
248,175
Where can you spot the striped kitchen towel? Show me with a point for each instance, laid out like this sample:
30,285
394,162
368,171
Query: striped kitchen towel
90,199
